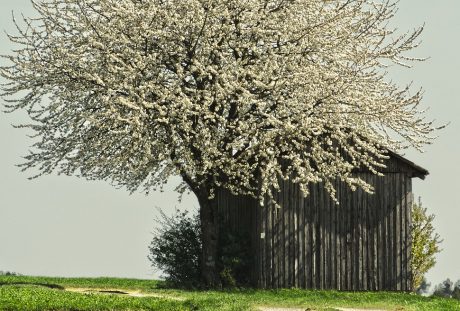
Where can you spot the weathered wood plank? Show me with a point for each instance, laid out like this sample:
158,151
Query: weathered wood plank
350,238
261,237
295,204
408,226
349,242
312,244
330,239
398,207
404,258
380,245
338,238
321,238
354,239
313,236
272,244
269,252
319,241
276,247
406,234
302,237
371,237
343,236
328,228
360,240
391,233
364,230
292,237
333,254
387,235
376,223
308,239
286,211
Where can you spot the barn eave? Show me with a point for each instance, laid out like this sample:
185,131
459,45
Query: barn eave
418,171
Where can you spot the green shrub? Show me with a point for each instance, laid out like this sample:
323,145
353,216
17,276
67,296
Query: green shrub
9,273
176,248
424,287
425,243
444,289
456,291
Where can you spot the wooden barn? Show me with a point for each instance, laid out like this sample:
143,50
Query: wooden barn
364,243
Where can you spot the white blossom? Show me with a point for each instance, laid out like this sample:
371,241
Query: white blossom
234,94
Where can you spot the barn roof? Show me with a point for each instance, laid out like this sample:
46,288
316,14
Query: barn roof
417,170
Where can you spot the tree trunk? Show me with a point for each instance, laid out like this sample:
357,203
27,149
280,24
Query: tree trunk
209,238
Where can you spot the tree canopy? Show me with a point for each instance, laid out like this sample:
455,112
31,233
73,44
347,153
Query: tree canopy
232,93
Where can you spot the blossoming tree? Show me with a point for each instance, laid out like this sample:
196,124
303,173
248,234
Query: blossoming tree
225,93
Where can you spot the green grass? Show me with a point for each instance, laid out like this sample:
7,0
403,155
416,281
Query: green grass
46,293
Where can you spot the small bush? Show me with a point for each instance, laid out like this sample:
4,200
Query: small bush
456,291
9,273
176,248
448,289
424,287
444,289
425,243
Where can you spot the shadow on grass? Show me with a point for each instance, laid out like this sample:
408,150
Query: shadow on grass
113,292
47,285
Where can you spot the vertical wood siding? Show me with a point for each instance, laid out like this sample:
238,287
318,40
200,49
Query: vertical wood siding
361,244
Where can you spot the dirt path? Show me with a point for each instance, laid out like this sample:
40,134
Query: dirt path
134,293
351,309
308,309
122,292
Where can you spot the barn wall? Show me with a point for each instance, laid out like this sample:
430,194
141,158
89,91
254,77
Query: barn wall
361,244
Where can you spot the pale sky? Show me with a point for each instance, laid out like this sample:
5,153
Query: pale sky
65,226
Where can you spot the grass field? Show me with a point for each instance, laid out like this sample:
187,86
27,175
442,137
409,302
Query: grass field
46,293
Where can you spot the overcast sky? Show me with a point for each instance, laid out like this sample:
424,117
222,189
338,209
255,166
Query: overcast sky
65,226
